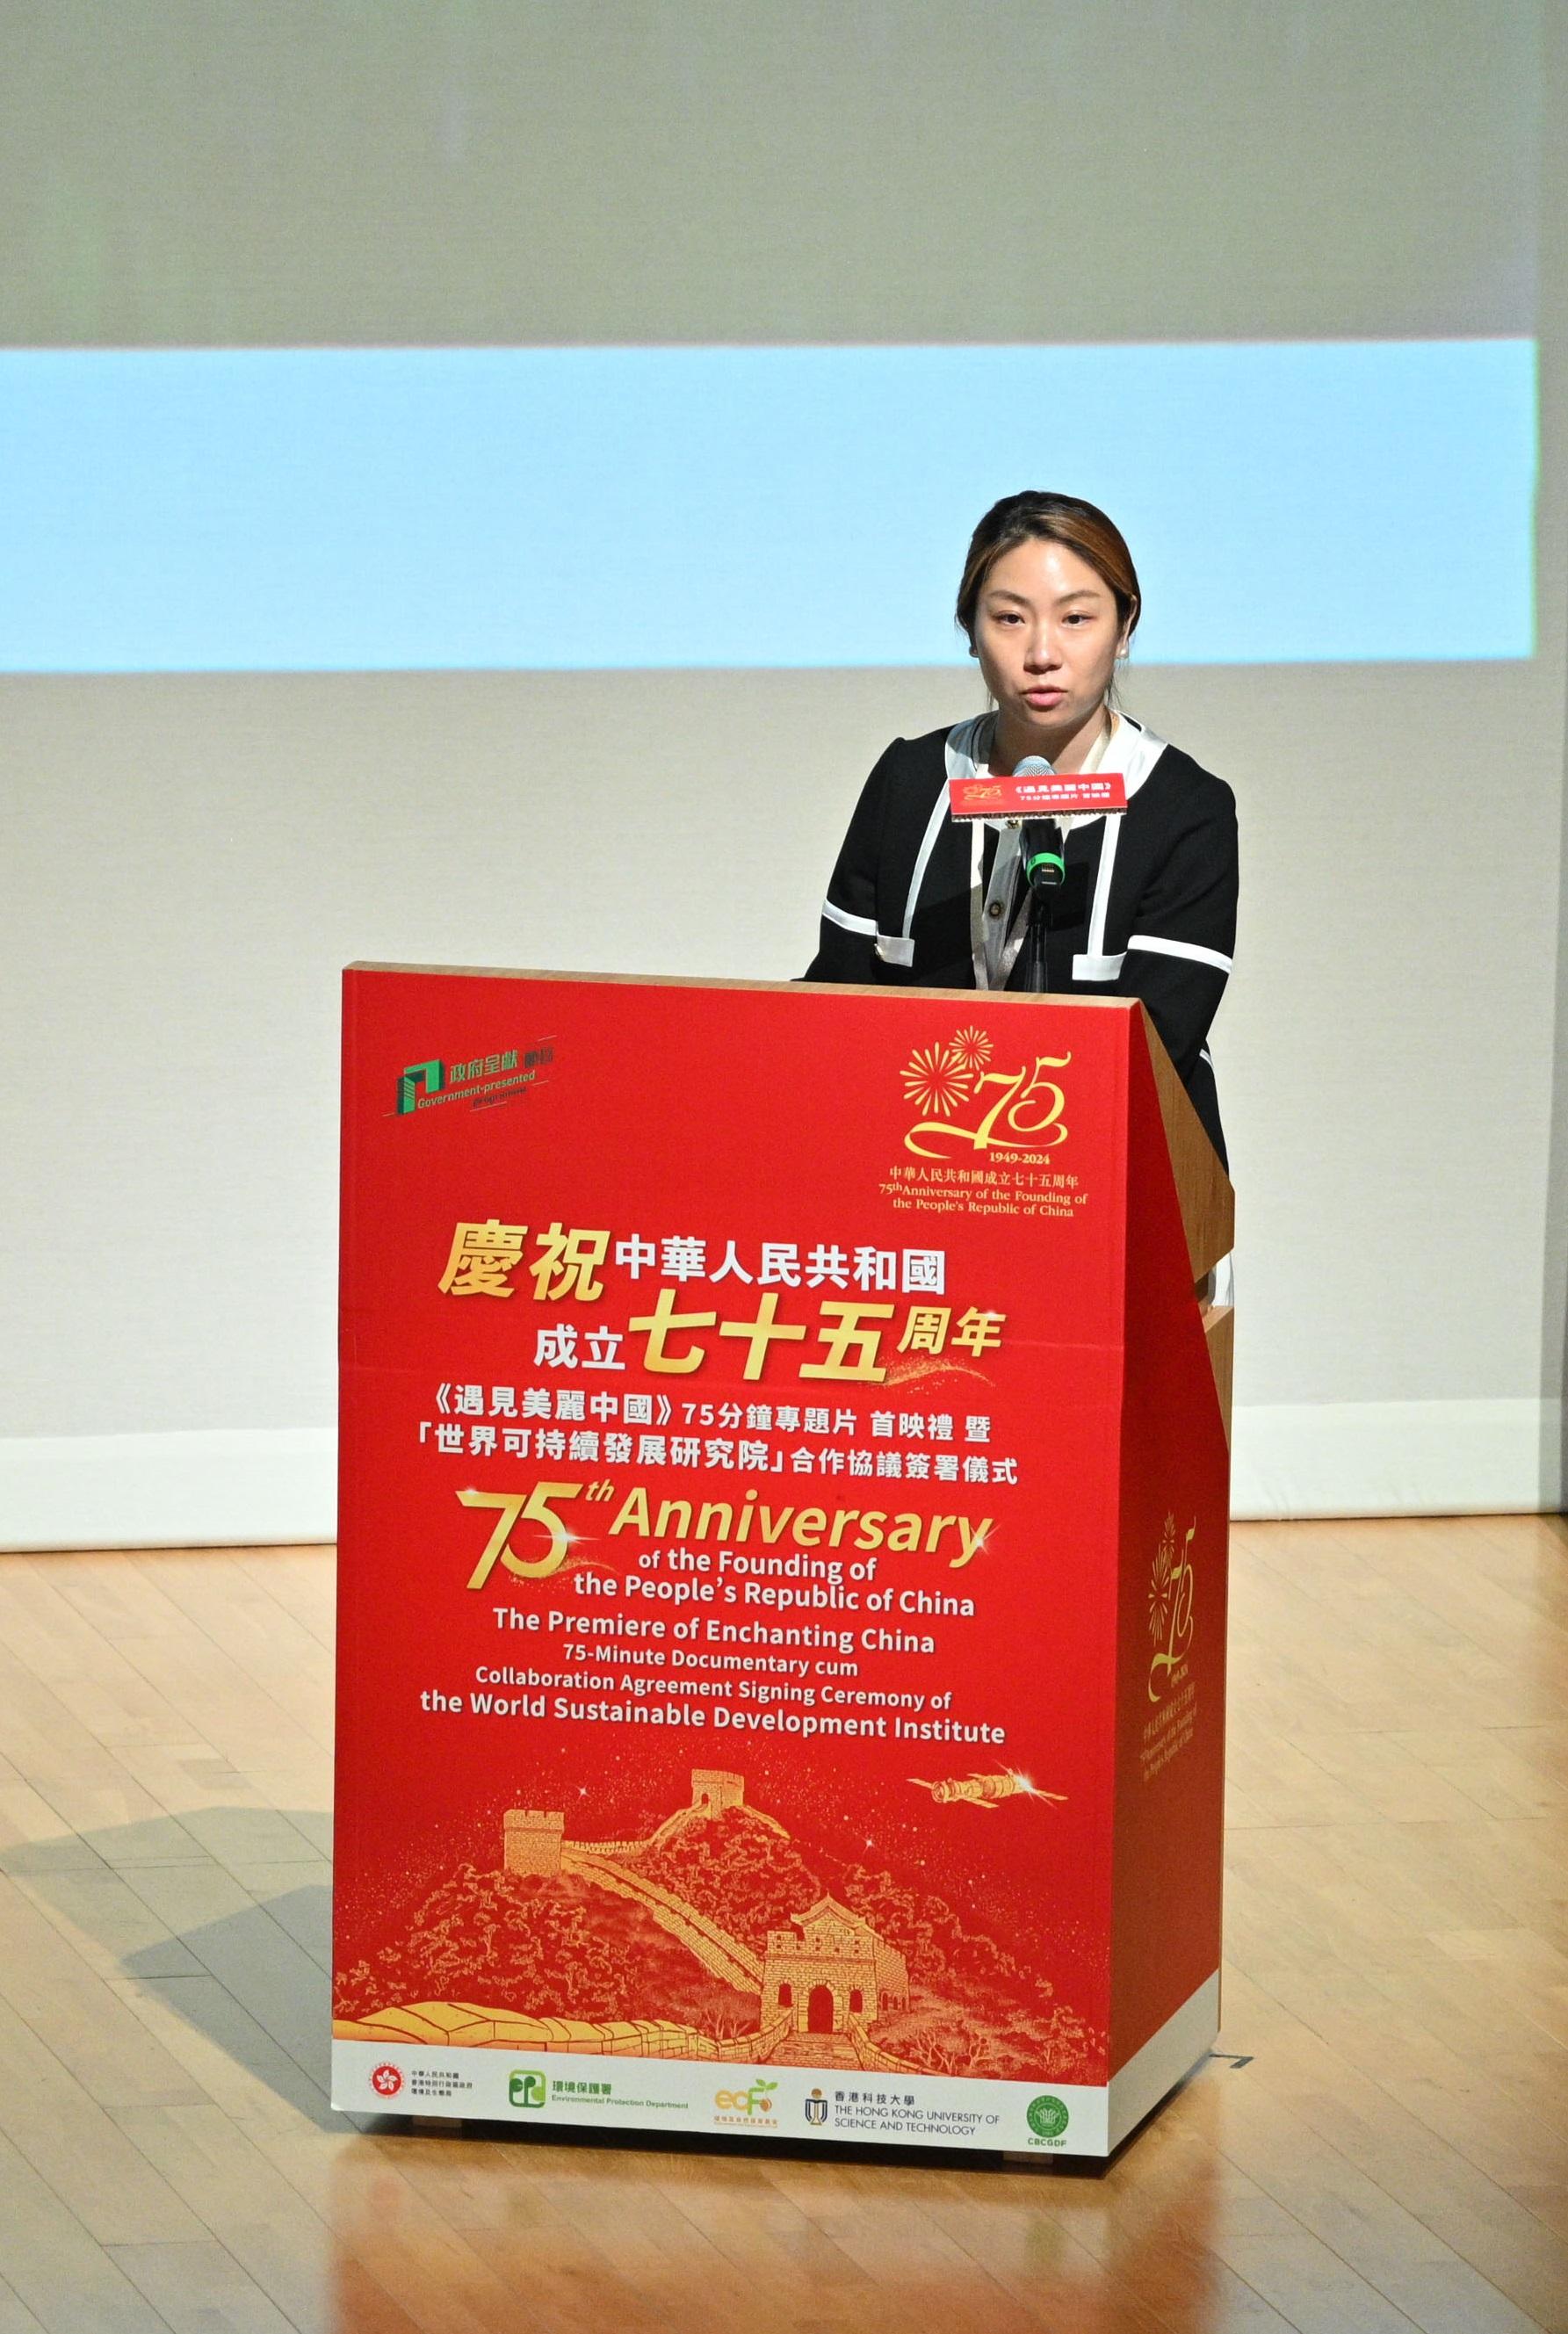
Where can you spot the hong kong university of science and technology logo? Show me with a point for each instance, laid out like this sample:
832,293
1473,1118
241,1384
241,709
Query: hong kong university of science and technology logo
969,1105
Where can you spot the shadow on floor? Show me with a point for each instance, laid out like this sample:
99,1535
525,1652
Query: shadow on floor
225,1914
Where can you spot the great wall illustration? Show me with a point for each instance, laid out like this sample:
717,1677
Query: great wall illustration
813,1993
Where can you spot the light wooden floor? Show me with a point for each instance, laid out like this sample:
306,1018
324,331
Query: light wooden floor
1394,2153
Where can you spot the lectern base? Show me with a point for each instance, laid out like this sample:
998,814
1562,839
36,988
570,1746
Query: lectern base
1169,2056
528,2082
781,1563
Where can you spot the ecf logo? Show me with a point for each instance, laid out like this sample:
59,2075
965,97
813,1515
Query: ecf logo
754,2101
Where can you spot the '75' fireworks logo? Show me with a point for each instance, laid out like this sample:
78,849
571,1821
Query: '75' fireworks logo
952,1083
1171,1590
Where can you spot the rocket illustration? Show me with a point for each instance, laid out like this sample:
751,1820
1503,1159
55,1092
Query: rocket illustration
984,1791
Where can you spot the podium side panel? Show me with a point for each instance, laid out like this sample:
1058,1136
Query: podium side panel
1171,1629
1204,1195
352,1578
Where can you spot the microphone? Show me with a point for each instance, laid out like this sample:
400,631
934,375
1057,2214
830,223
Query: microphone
1041,842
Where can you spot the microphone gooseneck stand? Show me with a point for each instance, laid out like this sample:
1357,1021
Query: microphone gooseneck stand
1045,869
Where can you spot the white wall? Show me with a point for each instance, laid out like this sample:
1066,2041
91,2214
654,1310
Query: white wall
190,861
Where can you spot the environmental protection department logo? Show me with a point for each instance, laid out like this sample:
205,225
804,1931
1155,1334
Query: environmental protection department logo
526,2088
951,1084
1048,2117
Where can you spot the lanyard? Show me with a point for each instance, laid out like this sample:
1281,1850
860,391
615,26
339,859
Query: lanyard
1004,876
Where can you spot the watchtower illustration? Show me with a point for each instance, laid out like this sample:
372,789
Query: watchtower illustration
713,1789
838,1968
533,1840
827,1973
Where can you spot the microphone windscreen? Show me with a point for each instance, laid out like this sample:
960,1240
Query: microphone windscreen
1040,849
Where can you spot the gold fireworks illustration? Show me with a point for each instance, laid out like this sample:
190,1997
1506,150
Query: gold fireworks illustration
973,1049
1162,1581
935,1079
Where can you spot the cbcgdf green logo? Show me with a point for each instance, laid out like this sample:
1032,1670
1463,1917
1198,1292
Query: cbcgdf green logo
1047,2117
526,2090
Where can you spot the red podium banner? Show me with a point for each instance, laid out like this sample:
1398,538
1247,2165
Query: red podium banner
1063,794
782,1565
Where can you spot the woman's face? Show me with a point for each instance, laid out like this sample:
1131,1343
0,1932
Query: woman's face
1047,637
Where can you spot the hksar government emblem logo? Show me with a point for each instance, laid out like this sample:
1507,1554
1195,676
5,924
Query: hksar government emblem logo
387,2081
968,1106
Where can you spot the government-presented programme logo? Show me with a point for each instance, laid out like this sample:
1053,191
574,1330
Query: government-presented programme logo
1048,2117
526,2090
479,1079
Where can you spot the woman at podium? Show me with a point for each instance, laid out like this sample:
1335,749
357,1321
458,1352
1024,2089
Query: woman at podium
1049,602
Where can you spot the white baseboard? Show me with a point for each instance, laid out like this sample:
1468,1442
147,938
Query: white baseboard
239,1487
243,1488
1398,1459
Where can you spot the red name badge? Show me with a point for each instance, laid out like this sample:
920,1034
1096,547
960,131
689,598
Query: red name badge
1064,795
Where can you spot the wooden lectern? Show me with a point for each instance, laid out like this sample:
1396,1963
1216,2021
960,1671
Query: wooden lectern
784,1493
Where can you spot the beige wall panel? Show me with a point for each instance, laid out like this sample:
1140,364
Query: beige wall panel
689,170
196,858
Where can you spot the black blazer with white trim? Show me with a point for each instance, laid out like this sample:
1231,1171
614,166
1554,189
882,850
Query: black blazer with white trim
1148,909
